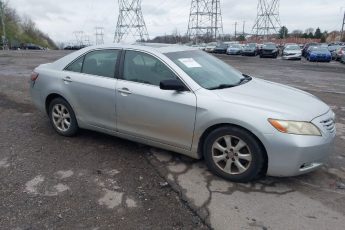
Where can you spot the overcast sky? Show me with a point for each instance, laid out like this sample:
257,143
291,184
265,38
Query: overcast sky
59,18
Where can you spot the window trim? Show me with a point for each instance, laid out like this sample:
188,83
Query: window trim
122,65
117,64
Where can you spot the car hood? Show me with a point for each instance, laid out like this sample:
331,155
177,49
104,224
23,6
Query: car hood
320,52
283,101
292,51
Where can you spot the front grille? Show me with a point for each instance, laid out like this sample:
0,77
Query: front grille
329,125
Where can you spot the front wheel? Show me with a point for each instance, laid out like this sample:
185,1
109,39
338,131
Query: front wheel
62,117
234,154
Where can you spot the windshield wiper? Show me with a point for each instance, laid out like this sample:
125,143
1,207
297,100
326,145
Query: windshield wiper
245,79
222,86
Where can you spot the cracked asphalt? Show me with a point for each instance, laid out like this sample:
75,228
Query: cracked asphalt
95,181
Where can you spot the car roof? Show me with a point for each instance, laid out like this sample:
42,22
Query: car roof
153,47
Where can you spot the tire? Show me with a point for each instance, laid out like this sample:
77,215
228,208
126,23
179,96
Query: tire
238,165
61,114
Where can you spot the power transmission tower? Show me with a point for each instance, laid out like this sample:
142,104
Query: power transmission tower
342,28
2,17
79,36
205,20
267,20
130,21
99,35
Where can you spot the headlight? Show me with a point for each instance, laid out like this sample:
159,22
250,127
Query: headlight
295,127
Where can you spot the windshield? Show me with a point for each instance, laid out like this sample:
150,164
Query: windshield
292,47
319,48
269,46
235,46
222,45
251,45
206,70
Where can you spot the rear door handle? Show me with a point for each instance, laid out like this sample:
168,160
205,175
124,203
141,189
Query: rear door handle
67,79
124,91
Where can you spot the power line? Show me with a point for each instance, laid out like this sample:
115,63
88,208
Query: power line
130,21
205,20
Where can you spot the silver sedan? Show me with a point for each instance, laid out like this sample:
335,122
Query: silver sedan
187,101
292,52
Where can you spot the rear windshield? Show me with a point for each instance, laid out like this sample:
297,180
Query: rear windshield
206,70
269,46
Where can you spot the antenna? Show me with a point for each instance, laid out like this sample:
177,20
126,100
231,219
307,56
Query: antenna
267,20
130,21
205,20
99,35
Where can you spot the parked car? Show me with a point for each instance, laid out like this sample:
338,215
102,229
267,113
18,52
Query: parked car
30,46
340,51
269,50
292,52
221,48
250,49
318,53
185,100
234,49
306,47
332,48
210,47
342,60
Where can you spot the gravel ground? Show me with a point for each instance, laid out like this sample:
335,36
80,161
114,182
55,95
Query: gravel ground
92,181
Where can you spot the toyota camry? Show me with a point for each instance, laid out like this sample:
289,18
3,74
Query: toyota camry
187,101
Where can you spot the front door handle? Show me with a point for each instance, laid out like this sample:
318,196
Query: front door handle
67,79
124,91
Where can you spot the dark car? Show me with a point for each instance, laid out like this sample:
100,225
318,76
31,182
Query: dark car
306,47
332,48
30,46
269,50
250,49
339,53
342,60
221,48
318,53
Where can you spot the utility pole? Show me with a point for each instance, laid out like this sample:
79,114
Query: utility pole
2,16
235,30
342,28
244,23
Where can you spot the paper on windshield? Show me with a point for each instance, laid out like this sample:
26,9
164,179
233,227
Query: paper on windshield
190,62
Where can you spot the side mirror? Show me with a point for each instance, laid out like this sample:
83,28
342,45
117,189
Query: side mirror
172,85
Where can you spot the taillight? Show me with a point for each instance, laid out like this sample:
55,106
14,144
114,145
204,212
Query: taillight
34,76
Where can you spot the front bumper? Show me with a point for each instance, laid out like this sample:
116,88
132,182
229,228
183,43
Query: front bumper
233,52
292,155
292,57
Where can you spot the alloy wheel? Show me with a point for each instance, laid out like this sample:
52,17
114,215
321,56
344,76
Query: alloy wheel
61,117
231,154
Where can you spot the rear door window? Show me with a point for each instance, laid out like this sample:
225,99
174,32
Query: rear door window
76,65
101,63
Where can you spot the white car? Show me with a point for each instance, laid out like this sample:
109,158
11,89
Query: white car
292,52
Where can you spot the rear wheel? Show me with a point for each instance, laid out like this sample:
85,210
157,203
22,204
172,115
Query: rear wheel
234,154
62,117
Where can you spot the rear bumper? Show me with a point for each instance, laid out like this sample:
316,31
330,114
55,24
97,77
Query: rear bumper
320,59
